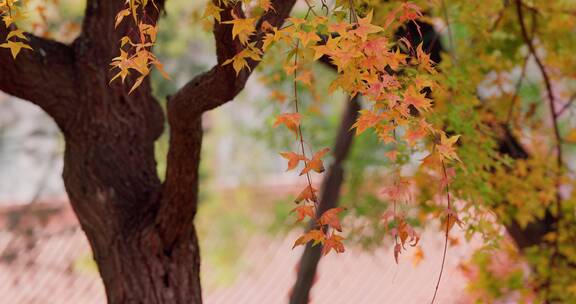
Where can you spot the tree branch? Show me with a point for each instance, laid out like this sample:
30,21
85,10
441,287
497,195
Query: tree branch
35,75
221,84
205,92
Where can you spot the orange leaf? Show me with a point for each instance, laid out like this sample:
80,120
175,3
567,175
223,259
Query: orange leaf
330,218
290,120
316,162
366,120
293,159
333,243
313,235
303,211
308,194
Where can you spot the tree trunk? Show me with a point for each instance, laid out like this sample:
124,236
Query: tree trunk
141,230
110,176
329,195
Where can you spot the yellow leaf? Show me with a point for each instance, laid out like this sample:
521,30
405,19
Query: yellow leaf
15,47
212,10
120,16
242,28
16,33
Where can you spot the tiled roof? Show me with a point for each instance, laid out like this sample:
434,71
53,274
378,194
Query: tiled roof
57,275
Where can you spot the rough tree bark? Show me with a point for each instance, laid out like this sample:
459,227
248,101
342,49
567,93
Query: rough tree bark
141,230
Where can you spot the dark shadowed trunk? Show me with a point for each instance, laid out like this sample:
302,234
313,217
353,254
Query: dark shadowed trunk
141,230
329,195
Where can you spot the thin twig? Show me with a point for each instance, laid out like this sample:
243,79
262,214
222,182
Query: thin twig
558,139
567,105
447,233
517,89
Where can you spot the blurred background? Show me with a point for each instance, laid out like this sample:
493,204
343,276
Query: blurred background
245,228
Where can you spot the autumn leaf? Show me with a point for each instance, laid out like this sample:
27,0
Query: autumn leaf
308,194
308,37
315,163
16,33
330,218
293,159
446,147
242,28
240,60
334,242
417,99
315,235
290,120
366,120
212,10
364,27
302,211
15,47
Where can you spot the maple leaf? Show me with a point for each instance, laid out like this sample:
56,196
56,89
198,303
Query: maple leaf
308,194
334,242
395,59
303,211
417,99
424,60
446,147
366,120
330,218
15,47
316,162
364,27
315,235
242,28
293,159
307,37
16,33
413,135
290,120
212,10
339,27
